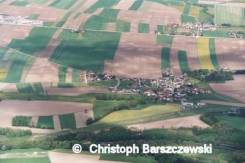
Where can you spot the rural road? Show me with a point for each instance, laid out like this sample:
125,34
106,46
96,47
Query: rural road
223,103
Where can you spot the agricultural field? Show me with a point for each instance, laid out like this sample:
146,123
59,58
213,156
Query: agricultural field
114,72
36,41
63,4
76,51
147,114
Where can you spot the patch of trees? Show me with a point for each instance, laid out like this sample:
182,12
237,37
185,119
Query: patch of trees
211,75
14,133
21,121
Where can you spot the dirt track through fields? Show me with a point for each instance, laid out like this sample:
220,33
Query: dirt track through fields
137,56
186,122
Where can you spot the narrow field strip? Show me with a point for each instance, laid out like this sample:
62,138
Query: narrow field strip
136,5
204,54
213,55
165,56
143,28
183,62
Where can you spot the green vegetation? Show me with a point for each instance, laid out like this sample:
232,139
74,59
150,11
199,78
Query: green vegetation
216,33
98,22
88,52
211,75
67,121
154,112
205,16
26,160
38,88
122,26
21,121
19,61
63,20
213,55
24,88
14,133
160,28
39,1
36,41
104,107
75,76
63,4
136,5
143,28
62,74
45,122
183,61
187,8
20,3
121,158
102,4
165,58
165,40
187,19
234,122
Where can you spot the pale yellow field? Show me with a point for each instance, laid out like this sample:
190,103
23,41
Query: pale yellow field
151,113
3,73
194,11
203,53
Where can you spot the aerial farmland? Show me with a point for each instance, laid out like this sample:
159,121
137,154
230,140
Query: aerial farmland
121,73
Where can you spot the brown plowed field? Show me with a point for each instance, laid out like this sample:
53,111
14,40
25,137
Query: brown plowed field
231,53
45,13
137,56
188,44
234,88
124,4
9,32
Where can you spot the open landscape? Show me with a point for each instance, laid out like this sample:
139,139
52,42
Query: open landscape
121,72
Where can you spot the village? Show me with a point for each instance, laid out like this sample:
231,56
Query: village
168,88
19,20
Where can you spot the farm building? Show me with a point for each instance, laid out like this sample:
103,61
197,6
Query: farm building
230,13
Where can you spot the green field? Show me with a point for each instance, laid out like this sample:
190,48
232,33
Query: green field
102,4
20,3
19,62
67,121
45,122
87,52
234,122
76,76
151,113
39,1
160,28
136,5
25,160
62,74
183,61
165,40
36,41
38,88
213,55
63,4
123,26
165,58
103,107
98,22
24,88
143,28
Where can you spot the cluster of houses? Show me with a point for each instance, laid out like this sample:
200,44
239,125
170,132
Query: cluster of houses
168,88
18,20
196,29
